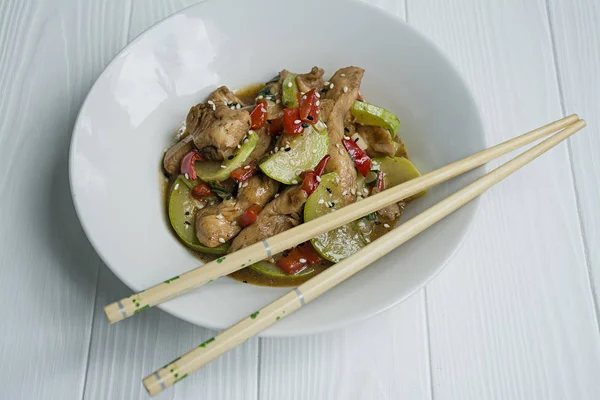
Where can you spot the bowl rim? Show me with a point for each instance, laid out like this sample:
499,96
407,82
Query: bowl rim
323,327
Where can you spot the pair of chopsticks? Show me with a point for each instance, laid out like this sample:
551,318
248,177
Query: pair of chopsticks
313,288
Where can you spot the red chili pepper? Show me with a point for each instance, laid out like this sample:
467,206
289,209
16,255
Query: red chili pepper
276,126
380,184
249,217
258,116
244,173
298,259
187,164
320,168
310,183
292,123
309,110
361,159
202,190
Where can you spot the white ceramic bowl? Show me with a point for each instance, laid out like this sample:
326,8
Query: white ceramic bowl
142,96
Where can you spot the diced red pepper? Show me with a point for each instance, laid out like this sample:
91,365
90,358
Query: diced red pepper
258,116
276,126
187,164
244,173
310,183
249,217
320,168
202,190
361,159
309,110
298,259
292,123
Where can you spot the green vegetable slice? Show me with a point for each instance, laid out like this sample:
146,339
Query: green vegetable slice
180,203
210,171
272,270
338,243
306,150
290,91
397,170
368,114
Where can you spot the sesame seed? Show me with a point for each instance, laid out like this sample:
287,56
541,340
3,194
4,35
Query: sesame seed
238,106
295,182
201,206
341,152
326,83
344,193
289,84
321,201
276,149
287,148
337,145
345,89
366,190
386,226
221,240
342,74
318,95
346,137
247,167
302,260
222,166
353,191
297,121
244,184
186,226
239,146
304,97
234,223
176,186
318,103
276,195
262,109
277,101
331,86
314,151
219,216
240,185
212,103
187,176
232,107
318,178
225,102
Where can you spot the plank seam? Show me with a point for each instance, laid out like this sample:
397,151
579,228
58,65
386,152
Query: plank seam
89,350
428,334
572,167
258,368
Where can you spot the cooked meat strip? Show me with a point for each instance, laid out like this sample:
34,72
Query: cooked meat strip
224,96
378,139
311,80
401,152
173,156
264,143
220,221
346,83
279,215
216,129
391,212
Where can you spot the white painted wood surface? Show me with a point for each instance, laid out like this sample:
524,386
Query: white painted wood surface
513,316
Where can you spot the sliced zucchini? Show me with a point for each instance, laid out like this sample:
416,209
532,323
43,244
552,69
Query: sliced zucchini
369,114
272,270
338,243
182,215
306,151
397,170
290,92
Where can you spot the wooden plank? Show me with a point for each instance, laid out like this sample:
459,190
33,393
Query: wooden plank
385,357
577,50
121,355
50,54
512,316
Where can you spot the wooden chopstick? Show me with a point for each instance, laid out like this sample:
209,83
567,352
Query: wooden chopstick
313,288
225,265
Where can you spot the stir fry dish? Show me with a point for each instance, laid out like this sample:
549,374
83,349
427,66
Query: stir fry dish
252,164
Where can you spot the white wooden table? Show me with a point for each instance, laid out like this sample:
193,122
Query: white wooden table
513,316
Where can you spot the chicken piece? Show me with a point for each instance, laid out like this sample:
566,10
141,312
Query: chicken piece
391,212
378,139
217,130
173,156
220,221
401,150
224,96
279,215
326,107
311,80
346,83
264,143
274,110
